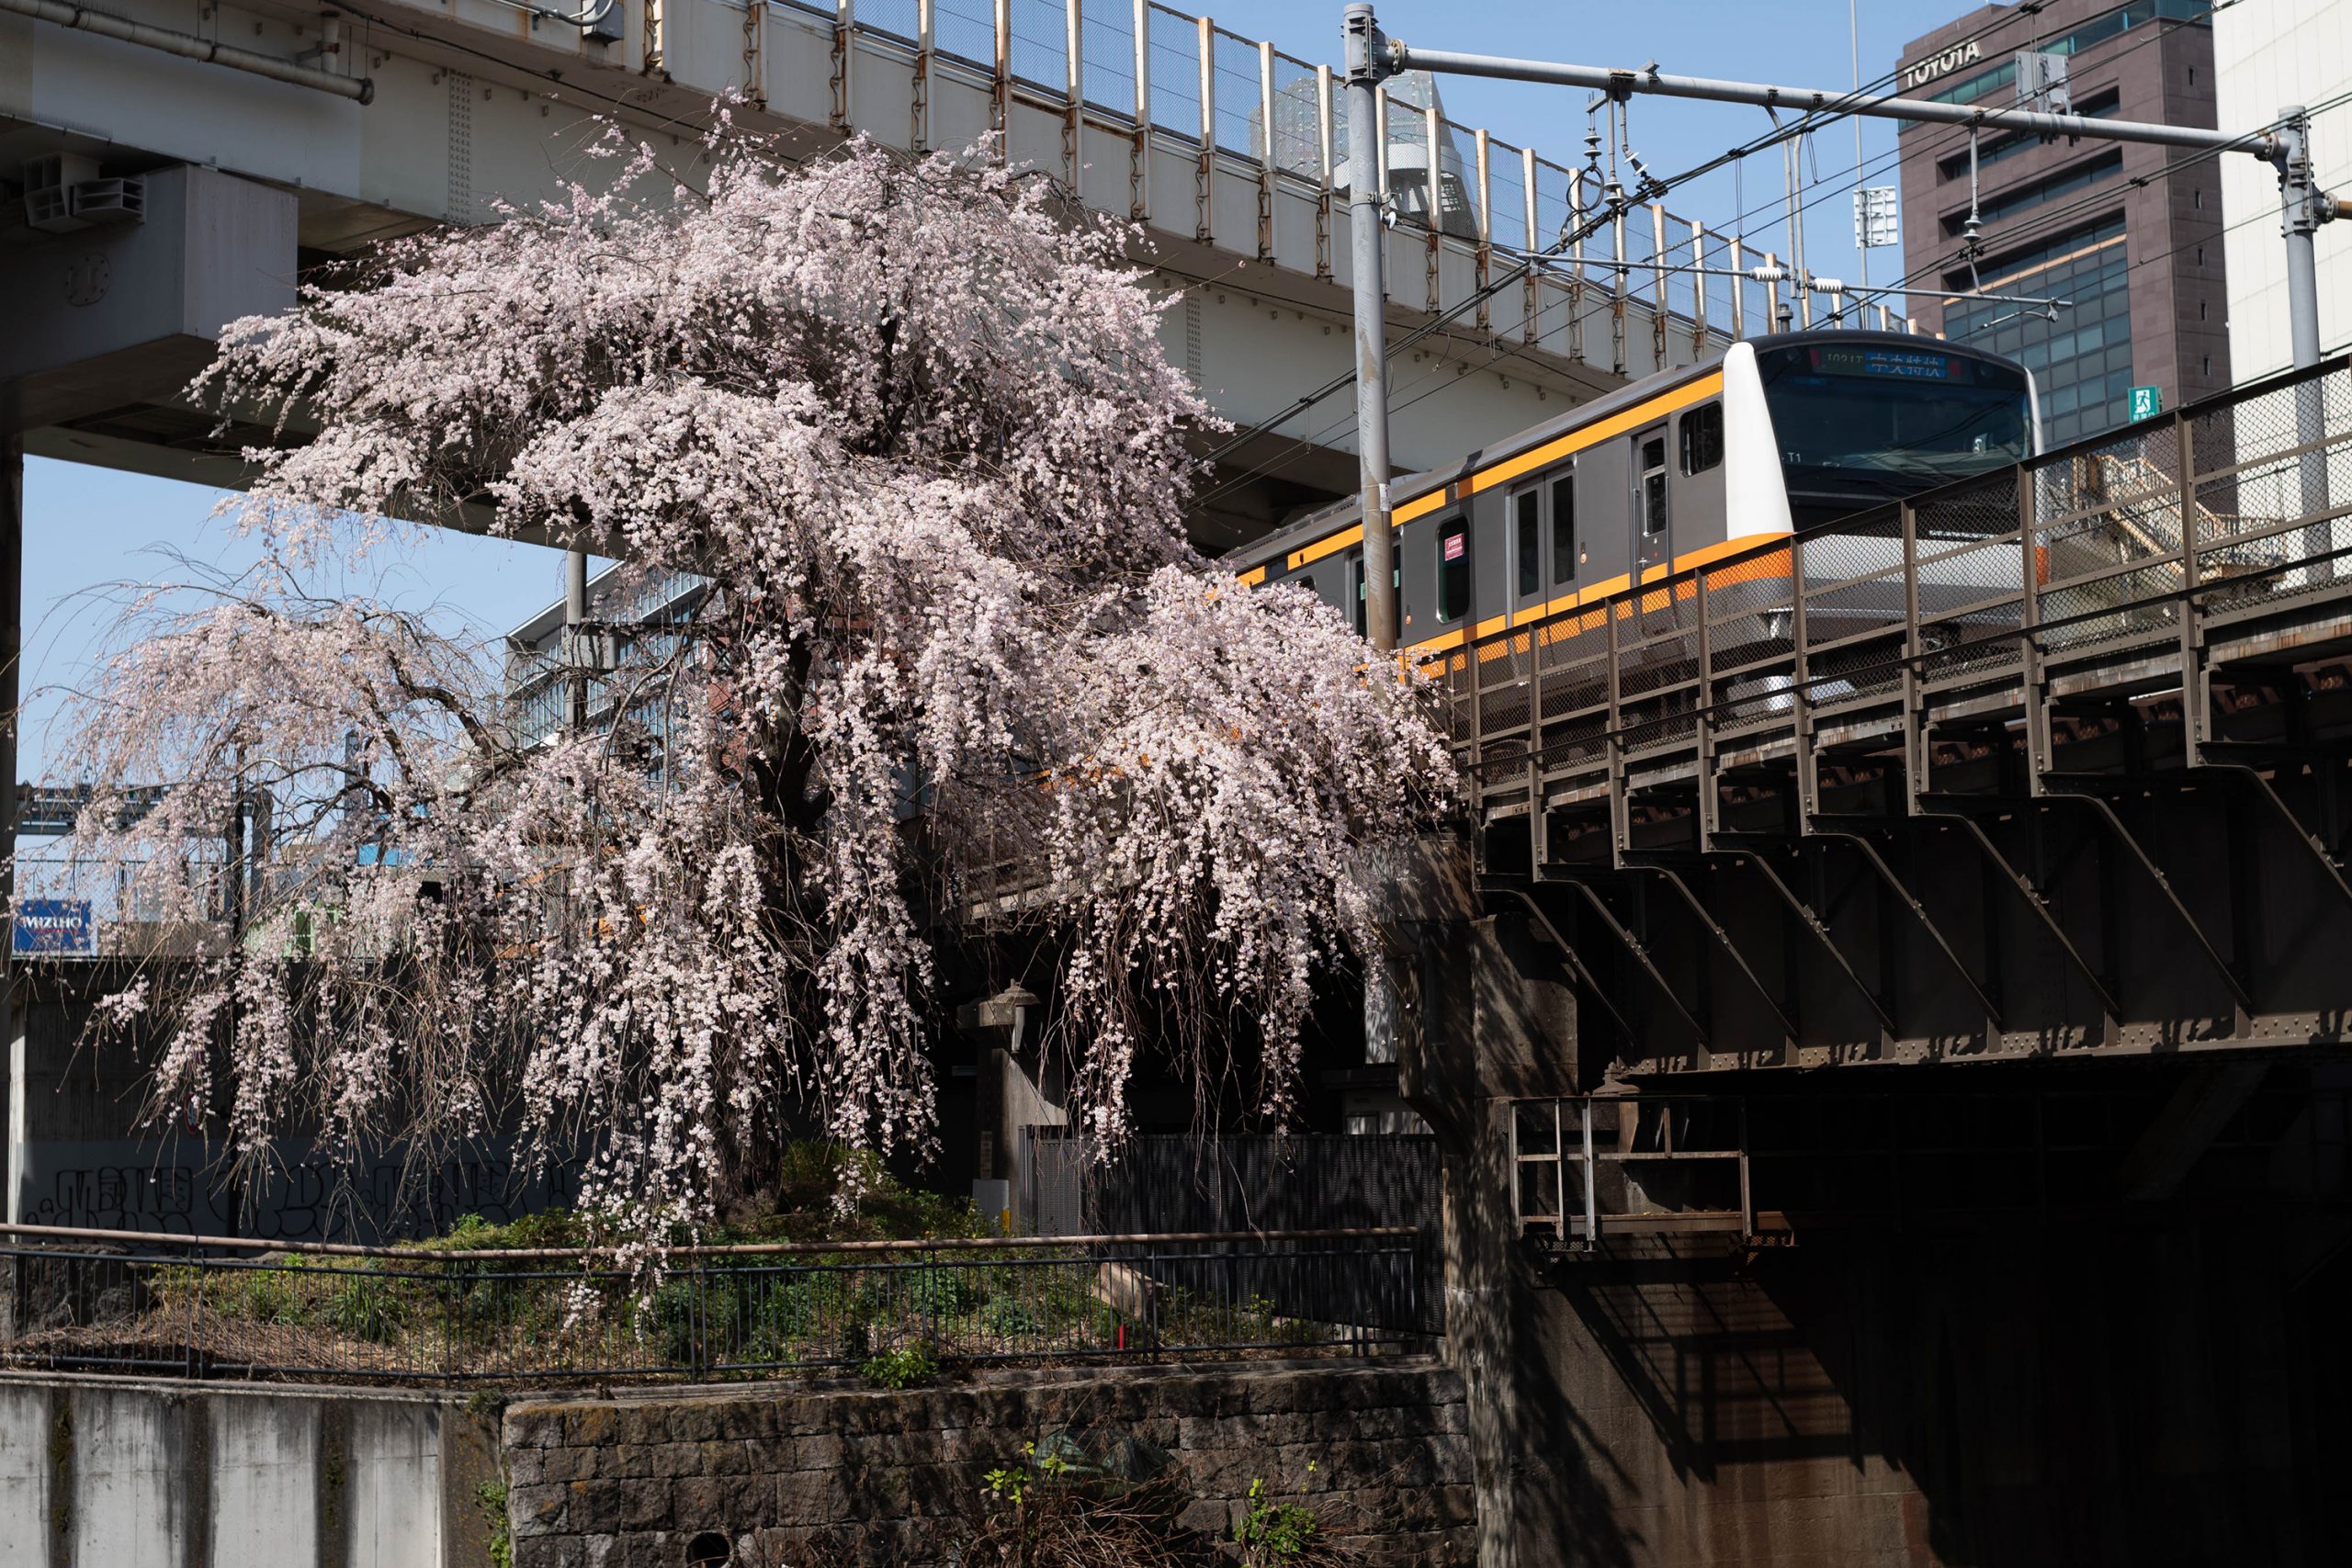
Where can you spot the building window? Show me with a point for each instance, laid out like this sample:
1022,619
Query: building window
2200,310
2102,105
2082,361
2208,365
2050,188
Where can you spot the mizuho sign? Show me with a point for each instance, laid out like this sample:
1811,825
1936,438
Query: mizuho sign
1936,65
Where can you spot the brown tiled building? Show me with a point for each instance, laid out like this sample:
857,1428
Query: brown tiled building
2134,249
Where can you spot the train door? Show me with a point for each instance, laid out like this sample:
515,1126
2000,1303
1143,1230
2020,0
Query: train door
1544,550
1653,533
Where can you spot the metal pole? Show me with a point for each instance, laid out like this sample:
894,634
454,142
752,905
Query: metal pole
575,637
2302,207
1366,66
12,594
2302,210
1861,198
1800,281
1814,100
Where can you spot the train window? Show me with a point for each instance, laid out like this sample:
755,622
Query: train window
1564,527
1454,569
1528,540
1355,571
1653,485
1702,438
1307,582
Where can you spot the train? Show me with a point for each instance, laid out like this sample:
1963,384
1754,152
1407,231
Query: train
1782,433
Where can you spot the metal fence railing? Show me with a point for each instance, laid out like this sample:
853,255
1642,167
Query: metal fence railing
214,1307
1143,71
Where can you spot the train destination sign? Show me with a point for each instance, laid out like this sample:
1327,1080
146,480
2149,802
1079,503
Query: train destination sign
1905,364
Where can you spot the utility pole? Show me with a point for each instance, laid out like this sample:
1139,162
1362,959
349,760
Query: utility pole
1367,237
1854,42
2302,207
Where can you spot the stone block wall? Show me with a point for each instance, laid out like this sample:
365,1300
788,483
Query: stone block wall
795,1476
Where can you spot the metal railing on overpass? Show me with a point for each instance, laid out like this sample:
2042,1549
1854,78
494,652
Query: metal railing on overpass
1149,72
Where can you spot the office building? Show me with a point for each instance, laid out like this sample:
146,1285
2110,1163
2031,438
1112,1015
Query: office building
2124,241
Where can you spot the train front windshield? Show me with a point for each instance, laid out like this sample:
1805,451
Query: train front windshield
1858,424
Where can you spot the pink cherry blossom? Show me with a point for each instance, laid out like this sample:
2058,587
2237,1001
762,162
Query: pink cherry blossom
958,676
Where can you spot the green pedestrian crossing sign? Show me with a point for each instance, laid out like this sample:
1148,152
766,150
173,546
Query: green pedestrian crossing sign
2147,401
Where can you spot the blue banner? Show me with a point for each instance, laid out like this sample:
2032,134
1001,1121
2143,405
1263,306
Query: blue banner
53,926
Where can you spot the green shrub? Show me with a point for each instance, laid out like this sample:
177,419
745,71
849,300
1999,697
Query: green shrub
491,1497
1010,1318
908,1366
1270,1530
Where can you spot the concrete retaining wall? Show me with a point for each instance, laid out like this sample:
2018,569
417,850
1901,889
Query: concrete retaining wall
98,1472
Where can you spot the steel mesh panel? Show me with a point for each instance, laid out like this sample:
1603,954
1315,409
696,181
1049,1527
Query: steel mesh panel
1237,129
897,18
965,29
1507,183
1106,50
1175,73
1753,699
1298,134
1038,57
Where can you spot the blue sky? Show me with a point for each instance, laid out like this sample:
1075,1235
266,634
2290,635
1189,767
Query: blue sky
86,526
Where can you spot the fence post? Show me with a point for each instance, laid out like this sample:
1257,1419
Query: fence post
926,49
1916,750
1529,329
1073,99
1698,289
2193,713
1323,138
1139,153
1485,226
1659,305
1432,128
1204,178
1265,151
1001,79
845,58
